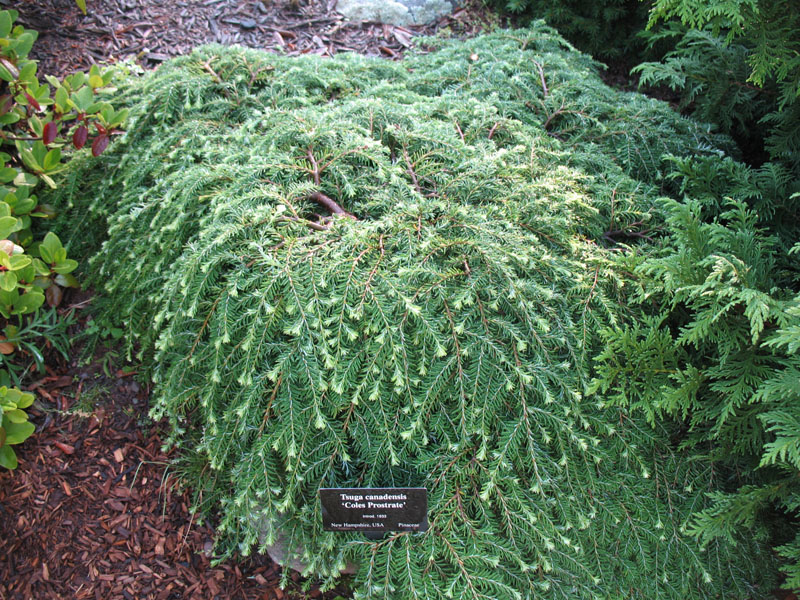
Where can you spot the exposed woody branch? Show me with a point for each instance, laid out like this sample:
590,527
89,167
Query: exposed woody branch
411,172
328,203
628,232
307,223
545,91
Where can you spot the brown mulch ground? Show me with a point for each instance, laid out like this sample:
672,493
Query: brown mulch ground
93,511
151,31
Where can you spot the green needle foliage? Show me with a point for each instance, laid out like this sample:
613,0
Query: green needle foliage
351,273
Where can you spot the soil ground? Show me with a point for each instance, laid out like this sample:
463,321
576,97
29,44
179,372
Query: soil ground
94,509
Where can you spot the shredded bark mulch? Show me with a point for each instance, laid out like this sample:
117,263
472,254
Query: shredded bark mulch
150,31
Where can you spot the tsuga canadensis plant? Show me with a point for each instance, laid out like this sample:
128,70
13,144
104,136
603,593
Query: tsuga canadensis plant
357,273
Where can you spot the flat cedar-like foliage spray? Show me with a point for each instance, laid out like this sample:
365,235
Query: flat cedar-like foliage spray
352,273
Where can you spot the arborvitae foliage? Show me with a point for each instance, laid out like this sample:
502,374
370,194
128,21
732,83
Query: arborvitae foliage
356,273
720,349
739,67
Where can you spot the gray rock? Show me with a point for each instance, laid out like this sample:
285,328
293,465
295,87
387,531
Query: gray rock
280,551
396,12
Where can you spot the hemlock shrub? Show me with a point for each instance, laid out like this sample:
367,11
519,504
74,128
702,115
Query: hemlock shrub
352,273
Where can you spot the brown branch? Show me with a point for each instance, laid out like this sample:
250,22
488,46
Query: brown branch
315,166
306,222
552,116
328,203
15,138
410,170
460,133
545,91
627,232
493,129
212,72
216,77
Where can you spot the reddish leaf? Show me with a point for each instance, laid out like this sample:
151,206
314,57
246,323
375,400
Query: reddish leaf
100,129
80,136
53,294
32,101
99,144
6,101
49,134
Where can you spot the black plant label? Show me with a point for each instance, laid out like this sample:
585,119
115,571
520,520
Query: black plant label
374,509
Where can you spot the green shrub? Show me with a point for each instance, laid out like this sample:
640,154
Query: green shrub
738,66
34,121
351,272
718,352
720,349
604,29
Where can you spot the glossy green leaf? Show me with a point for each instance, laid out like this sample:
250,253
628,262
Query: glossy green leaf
52,159
40,267
15,415
28,72
29,302
66,266
8,458
7,174
19,261
8,225
27,274
24,43
66,280
11,117
5,74
8,280
25,400
16,433
50,247
5,23
61,99
83,98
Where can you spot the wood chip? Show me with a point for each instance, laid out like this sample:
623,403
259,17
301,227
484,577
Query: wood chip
65,448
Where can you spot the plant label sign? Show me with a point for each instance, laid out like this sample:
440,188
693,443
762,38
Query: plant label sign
375,510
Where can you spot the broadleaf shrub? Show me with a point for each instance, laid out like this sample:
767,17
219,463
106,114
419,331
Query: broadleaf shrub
35,118
351,273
